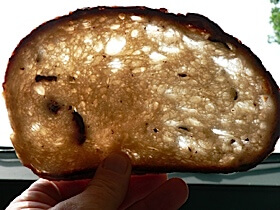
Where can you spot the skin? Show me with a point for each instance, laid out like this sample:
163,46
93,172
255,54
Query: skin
112,187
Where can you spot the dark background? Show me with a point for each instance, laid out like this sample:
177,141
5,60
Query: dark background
201,196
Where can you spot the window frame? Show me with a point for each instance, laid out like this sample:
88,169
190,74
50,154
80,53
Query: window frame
267,173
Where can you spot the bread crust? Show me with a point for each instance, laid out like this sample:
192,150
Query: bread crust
196,22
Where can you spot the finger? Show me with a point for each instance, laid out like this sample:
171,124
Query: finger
108,187
68,189
41,194
140,186
110,182
170,195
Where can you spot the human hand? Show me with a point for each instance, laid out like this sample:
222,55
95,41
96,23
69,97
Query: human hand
112,187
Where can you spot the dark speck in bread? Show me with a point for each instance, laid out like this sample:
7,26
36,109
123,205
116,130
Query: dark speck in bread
40,78
81,132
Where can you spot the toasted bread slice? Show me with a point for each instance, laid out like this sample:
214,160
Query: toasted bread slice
174,92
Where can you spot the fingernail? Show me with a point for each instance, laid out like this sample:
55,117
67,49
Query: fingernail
117,163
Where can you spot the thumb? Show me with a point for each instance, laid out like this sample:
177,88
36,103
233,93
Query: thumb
108,188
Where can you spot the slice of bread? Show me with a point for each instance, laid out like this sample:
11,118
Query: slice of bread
174,92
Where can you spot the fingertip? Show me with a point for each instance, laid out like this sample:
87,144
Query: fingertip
181,187
110,182
117,162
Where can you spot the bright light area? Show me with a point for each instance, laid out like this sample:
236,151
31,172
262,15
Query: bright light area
115,64
136,18
183,142
192,44
155,56
247,20
232,66
115,45
220,132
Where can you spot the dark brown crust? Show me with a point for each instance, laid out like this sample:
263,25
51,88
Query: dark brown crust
139,170
190,20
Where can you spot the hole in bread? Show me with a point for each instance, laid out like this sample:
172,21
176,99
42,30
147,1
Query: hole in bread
53,106
88,40
183,128
64,58
232,141
229,45
38,59
155,56
115,64
89,59
225,44
231,66
170,33
71,78
35,126
136,18
193,44
80,127
115,45
122,16
152,29
169,49
98,46
183,142
39,89
115,26
40,78
182,74
235,95
134,33
220,132
146,49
